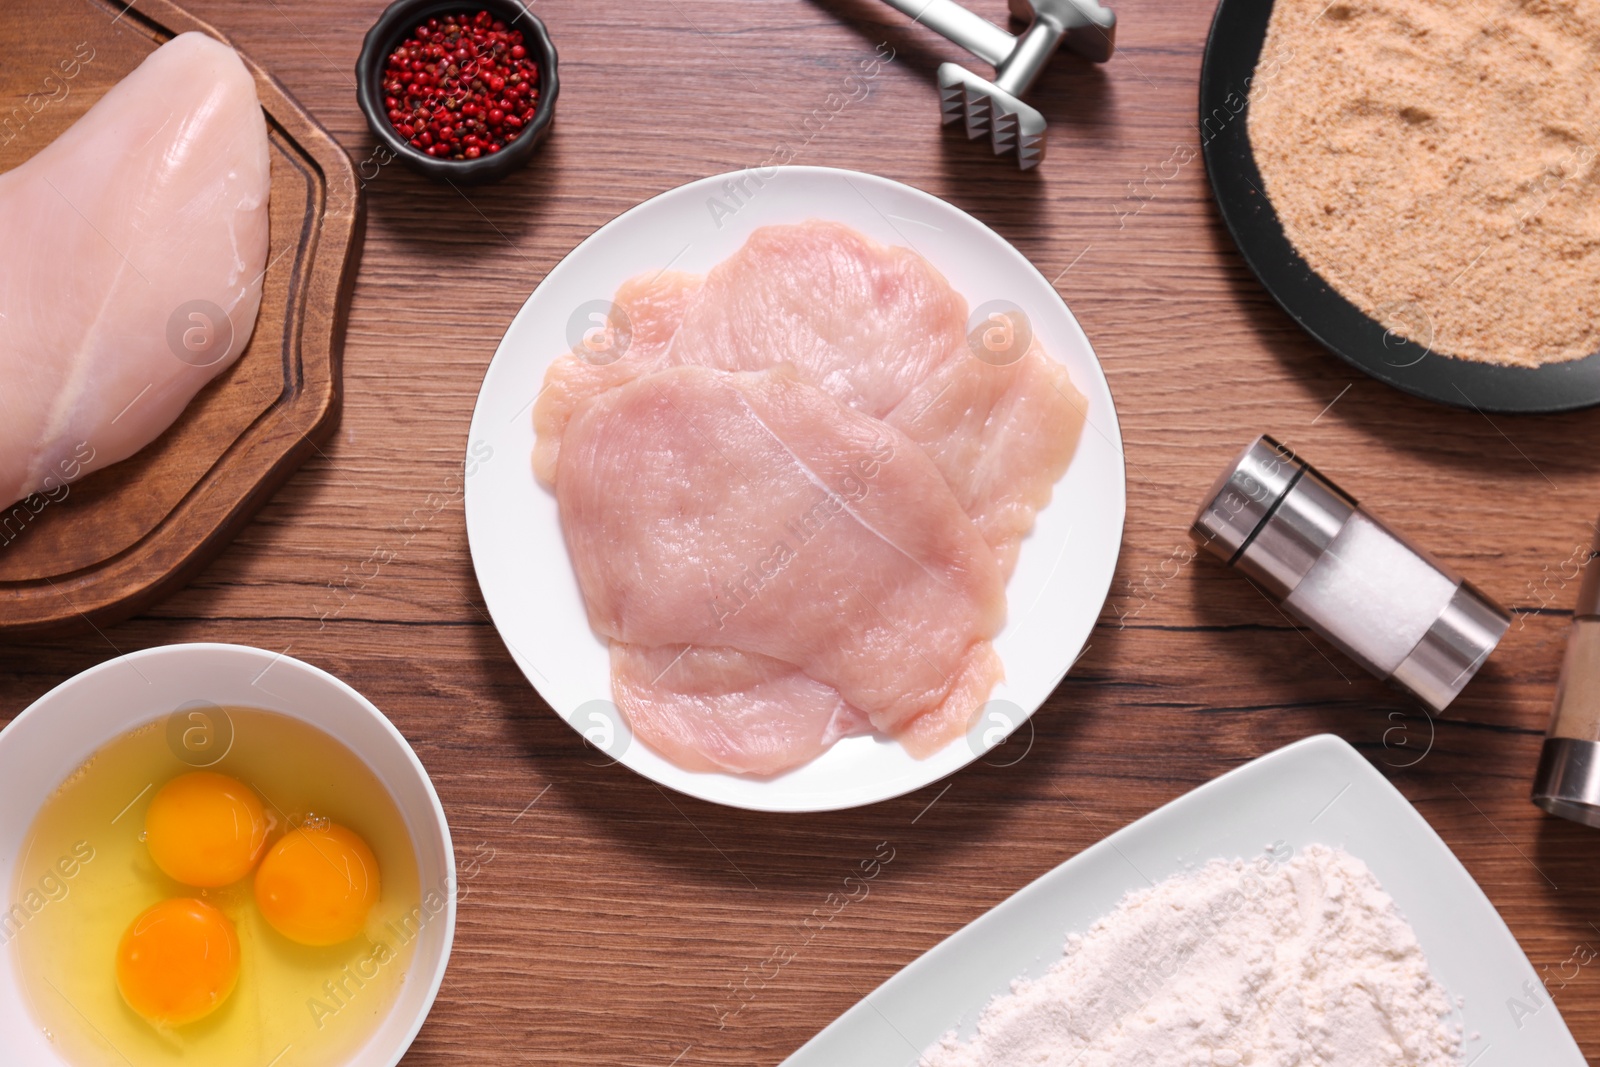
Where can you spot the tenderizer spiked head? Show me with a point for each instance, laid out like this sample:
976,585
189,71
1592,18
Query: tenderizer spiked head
995,109
986,110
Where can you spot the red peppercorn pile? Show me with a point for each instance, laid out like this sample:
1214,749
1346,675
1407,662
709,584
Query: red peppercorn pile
461,86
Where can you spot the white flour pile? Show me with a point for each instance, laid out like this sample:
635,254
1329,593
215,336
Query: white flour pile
1286,962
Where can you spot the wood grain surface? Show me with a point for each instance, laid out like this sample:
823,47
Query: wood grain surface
608,922
114,541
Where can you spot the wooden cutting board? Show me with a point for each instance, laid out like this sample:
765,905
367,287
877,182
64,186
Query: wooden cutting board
132,532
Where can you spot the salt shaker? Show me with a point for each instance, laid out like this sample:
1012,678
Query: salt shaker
1568,780
1388,605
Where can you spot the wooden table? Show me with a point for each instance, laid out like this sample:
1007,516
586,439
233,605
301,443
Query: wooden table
611,922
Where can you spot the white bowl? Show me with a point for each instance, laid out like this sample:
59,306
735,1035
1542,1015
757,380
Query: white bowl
54,735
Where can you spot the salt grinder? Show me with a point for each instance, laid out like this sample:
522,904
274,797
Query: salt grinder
995,108
1387,604
1568,781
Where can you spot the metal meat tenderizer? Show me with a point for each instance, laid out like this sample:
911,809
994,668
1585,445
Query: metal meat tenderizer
994,108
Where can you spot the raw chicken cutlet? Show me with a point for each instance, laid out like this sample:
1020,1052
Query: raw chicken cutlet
115,252
654,306
883,333
876,328
863,322
710,709
754,513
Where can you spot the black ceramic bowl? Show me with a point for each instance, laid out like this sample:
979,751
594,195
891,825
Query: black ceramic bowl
397,23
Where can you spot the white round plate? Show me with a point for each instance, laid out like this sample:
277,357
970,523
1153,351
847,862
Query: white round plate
1062,575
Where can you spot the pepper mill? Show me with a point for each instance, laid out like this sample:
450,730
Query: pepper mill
1568,780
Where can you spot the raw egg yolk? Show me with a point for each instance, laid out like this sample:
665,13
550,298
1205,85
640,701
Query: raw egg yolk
178,961
316,885
205,829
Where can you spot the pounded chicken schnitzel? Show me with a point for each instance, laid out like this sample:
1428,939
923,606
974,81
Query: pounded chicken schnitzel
763,594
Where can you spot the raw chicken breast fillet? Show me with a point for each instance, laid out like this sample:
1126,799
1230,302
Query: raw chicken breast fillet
883,333
881,330
154,199
754,513
653,306
876,328
1002,436
710,709
864,323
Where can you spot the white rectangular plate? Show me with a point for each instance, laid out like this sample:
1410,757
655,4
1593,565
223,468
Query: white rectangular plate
1316,791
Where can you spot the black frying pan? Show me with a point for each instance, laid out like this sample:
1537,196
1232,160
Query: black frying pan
1226,75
